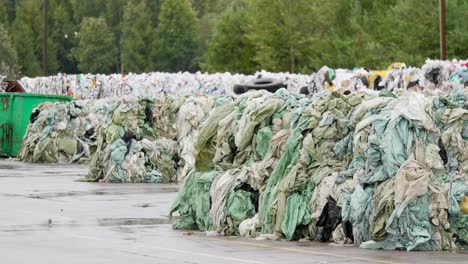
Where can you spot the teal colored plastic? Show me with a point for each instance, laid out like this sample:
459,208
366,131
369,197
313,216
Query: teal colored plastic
15,113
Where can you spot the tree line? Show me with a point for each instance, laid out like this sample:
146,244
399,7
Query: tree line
242,36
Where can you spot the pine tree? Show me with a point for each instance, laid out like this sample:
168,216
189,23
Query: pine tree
25,33
8,57
154,7
7,12
63,32
286,34
175,44
96,52
3,14
230,49
457,29
200,7
412,30
87,8
277,35
137,38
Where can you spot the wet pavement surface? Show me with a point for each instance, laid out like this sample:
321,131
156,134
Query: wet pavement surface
47,216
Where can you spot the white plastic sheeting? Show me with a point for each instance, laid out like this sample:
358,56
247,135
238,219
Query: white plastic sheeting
434,76
89,86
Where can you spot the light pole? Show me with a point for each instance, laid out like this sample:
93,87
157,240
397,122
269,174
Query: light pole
443,54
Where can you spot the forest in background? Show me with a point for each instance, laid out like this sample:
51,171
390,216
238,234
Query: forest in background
239,36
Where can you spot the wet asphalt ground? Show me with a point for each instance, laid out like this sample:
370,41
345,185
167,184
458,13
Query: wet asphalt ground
47,216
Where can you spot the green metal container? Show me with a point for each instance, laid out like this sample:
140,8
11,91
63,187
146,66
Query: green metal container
15,112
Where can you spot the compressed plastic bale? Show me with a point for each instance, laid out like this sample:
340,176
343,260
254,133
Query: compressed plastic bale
410,231
257,112
140,119
68,122
224,147
89,86
127,165
383,204
297,212
396,145
361,208
409,222
284,164
202,145
415,107
382,150
293,197
193,202
414,222
184,203
190,117
220,191
161,154
244,136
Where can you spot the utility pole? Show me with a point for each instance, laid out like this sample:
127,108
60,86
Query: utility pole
45,55
443,50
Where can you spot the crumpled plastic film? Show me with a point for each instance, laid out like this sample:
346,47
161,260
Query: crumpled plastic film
434,77
124,140
381,169
136,142
61,132
90,86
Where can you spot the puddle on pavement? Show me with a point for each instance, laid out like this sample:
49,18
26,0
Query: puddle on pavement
99,192
52,195
143,205
168,189
132,221
54,172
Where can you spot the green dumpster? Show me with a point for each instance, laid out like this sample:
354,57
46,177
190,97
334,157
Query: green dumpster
15,112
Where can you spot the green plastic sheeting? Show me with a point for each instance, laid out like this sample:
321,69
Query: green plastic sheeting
394,162
239,207
193,202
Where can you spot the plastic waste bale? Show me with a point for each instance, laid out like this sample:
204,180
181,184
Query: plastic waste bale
379,169
99,86
60,132
129,143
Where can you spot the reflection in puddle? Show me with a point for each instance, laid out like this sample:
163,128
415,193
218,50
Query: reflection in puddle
132,221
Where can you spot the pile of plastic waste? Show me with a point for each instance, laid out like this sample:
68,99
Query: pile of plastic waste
135,143
383,168
434,76
377,169
89,86
148,139
190,117
62,132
